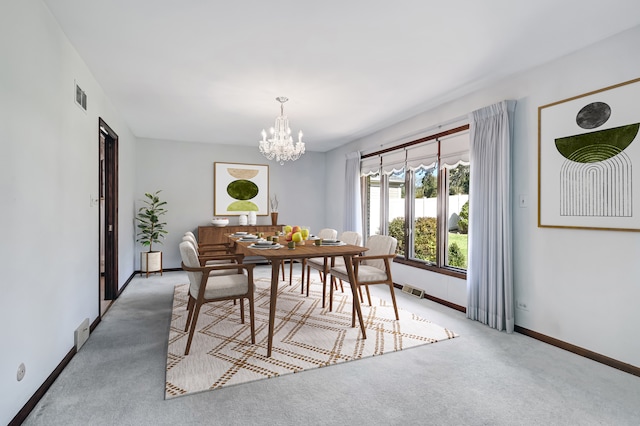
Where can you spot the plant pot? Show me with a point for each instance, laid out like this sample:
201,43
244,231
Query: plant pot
150,261
274,218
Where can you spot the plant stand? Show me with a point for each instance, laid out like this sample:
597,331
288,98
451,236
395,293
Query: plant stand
150,261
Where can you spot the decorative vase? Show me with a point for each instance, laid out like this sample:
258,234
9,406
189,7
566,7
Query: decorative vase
274,218
252,218
242,220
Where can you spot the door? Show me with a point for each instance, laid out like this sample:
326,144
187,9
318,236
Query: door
108,182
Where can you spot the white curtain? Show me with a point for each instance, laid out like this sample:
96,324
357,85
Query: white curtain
352,201
490,272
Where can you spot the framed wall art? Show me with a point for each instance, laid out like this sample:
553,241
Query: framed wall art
589,160
240,189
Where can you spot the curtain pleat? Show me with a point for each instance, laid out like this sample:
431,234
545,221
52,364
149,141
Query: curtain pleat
490,271
352,201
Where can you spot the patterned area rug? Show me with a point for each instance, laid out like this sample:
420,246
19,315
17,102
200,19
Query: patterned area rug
306,336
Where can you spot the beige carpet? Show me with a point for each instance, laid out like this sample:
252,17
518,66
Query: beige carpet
306,336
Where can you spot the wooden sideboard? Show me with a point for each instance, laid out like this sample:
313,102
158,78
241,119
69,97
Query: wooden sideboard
216,234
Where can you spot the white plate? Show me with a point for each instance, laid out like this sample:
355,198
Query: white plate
337,243
246,238
264,247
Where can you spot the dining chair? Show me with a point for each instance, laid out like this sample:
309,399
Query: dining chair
374,267
324,264
205,287
212,257
210,248
324,234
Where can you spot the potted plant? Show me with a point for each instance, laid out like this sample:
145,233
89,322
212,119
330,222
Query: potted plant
151,230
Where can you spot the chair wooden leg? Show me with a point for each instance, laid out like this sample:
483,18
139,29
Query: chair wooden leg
241,310
324,287
366,287
393,299
190,305
353,304
304,264
252,319
192,329
290,270
331,285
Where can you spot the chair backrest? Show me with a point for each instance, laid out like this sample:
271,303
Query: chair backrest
190,258
328,234
192,238
377,245
351,237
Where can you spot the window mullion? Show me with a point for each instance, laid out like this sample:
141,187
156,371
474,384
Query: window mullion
443,222
409,216
384,204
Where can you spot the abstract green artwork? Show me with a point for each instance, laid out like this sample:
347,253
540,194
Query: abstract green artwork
587,148
240,188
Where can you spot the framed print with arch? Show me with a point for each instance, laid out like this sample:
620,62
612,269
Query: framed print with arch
240,189
589,160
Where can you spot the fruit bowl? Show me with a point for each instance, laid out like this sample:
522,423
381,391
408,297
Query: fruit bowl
220,221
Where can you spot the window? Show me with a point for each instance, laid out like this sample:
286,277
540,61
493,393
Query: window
419,194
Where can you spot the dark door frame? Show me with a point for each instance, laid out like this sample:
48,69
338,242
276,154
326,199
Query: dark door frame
109,190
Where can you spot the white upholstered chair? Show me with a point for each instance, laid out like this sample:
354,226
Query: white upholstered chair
205,287
209,249
324,264
216,256
374,267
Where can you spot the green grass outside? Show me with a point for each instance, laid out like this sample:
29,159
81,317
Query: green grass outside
462,241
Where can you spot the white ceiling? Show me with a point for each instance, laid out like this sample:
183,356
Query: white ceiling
209,71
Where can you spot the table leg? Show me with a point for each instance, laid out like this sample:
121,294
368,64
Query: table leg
356,301
325,268
275,269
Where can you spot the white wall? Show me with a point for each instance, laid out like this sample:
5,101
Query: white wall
184,173
48,172
580,286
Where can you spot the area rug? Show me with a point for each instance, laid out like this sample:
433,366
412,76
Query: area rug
306,336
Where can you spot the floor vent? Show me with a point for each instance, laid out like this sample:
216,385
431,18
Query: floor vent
81,334
413,291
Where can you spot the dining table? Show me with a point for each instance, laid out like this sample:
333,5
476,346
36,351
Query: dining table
307,249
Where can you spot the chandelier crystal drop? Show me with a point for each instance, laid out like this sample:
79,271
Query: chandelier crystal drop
280,144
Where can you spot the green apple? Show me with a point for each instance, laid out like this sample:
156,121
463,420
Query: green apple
296,237
287,229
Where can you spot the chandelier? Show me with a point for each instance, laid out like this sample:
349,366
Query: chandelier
280,143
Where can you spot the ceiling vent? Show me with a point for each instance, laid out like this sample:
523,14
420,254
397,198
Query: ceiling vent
81,98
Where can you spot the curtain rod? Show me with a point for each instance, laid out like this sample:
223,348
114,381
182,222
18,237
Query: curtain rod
417,141
461,119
